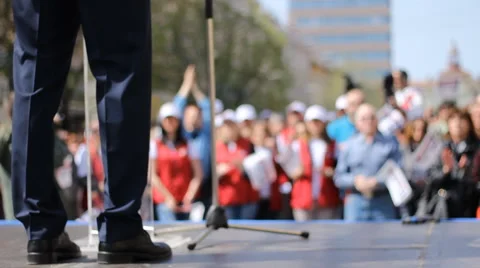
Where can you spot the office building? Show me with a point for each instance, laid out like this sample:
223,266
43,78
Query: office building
352,34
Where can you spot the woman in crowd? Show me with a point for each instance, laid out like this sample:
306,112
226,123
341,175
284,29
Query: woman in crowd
175,168
236,194
276,125
322,151
439,123
295,111
270,200
414,133
453,172
245,115
410,139
301,197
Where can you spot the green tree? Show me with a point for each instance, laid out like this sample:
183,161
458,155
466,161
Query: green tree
249,66
7,34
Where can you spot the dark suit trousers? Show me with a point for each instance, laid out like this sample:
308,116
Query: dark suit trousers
118,38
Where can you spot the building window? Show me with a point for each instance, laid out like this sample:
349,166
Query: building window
351,38
341,21
339,3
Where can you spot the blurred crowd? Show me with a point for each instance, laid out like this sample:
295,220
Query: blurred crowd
323,164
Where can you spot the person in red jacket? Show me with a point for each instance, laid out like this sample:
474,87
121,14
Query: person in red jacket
236,194
270,199
175,168
301,195
295,112
322,152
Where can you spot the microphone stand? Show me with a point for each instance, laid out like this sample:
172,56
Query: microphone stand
216,217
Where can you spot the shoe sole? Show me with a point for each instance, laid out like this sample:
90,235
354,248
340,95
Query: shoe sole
34,258
130,257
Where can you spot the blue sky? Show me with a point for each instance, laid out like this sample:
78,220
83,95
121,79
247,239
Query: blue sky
423,31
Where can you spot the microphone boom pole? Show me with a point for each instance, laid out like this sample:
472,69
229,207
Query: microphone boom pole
212,95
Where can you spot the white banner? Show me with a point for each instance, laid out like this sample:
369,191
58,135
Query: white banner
397,184
259,168
290,161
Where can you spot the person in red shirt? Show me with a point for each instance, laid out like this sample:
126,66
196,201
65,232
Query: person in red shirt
322,153
295,111
301,197
175,168
236,193
270,199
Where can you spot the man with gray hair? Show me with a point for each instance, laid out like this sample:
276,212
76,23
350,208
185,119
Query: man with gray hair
364,155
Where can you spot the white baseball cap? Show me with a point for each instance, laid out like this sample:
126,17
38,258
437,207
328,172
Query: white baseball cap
316,112
169,110
245,112
228,115
341,103
297,106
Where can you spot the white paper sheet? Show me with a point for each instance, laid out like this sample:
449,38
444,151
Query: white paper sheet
259,168
396,182
289,161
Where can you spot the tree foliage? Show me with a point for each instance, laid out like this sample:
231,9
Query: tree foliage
248,59
249,66
7,36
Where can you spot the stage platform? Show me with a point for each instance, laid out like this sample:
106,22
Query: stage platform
331,244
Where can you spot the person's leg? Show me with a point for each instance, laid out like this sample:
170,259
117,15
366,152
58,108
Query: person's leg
286,211
355,206
301,215
182,216
164,213
248,211
263,210
233,212
325,213
119,46
46,32
382,208
118,38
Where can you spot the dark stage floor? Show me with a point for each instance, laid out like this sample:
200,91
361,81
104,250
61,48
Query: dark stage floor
331,244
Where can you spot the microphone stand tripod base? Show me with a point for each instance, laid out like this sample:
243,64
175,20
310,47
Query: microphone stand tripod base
217,219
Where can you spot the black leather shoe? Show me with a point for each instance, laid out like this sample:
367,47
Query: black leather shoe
52,251
138,249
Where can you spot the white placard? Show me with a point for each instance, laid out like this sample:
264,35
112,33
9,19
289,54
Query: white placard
290,161
397,184
428,151
259,168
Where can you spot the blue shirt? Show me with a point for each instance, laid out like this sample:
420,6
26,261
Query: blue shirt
363,158
200,138
341,129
